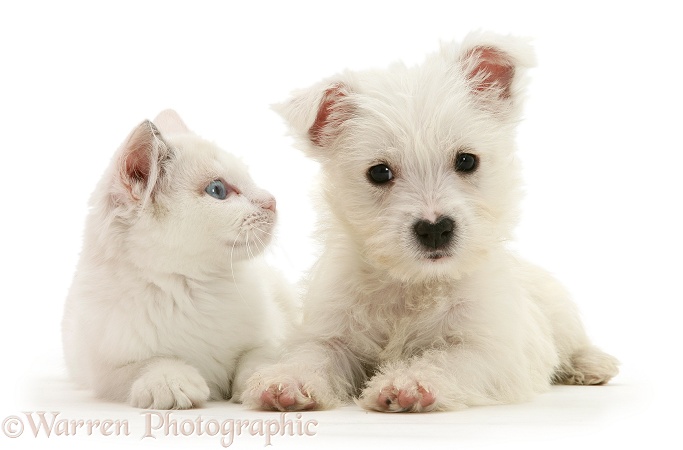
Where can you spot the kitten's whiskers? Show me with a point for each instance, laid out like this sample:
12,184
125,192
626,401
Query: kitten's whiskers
232,268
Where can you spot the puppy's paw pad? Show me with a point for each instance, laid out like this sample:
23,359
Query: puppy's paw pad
278,397
178,388
413,397
289,397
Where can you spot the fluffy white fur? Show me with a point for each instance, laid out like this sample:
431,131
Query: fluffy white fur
171,305
396,325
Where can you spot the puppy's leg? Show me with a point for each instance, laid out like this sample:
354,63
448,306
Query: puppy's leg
587,366
448,380
399,388
580,361
315,375
247,365
157,383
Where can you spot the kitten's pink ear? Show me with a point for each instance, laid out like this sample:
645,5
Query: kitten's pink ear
169,122
494,65
318,115
142,161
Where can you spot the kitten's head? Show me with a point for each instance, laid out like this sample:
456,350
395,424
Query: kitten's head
418,162
179,204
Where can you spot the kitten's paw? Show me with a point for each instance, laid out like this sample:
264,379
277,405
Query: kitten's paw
169,385
280,392
400,394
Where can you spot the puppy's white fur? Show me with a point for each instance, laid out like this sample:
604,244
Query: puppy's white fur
399,326
170,304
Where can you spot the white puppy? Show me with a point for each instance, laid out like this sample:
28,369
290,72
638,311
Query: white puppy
170,305
416,303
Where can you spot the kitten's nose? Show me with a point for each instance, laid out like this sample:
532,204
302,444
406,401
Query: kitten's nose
268,203
434,235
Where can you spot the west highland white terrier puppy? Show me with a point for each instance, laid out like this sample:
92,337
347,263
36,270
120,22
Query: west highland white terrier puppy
170,305
416,303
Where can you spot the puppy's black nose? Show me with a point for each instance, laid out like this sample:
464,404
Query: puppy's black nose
432,235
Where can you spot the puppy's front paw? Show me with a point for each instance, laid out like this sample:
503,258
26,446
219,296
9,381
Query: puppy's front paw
169,385
273,389
286,397
400,394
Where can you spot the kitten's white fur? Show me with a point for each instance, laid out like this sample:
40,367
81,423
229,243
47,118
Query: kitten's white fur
171,304
400,327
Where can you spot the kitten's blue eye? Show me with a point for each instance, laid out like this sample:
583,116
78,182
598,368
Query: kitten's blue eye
217,189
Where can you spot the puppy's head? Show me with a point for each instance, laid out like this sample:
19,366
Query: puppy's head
418,163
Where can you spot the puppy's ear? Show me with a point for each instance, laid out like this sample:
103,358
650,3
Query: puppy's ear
142,160
168,122
489,70
318,115
494,67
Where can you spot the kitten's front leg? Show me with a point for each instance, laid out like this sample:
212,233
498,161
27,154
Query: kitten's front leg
156,383
169,384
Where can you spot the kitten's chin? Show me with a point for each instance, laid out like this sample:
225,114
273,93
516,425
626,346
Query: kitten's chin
239,251
250,244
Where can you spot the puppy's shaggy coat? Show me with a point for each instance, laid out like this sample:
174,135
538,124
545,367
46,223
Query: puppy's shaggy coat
416,303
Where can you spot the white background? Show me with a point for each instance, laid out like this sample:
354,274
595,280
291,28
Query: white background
600,144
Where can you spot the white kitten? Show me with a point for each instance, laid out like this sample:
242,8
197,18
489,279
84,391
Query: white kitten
170,305
416,303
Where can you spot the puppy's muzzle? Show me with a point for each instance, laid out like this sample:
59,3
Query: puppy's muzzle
434,235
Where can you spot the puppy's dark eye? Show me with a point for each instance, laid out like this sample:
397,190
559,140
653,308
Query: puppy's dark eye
217,190
466,162
380,174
